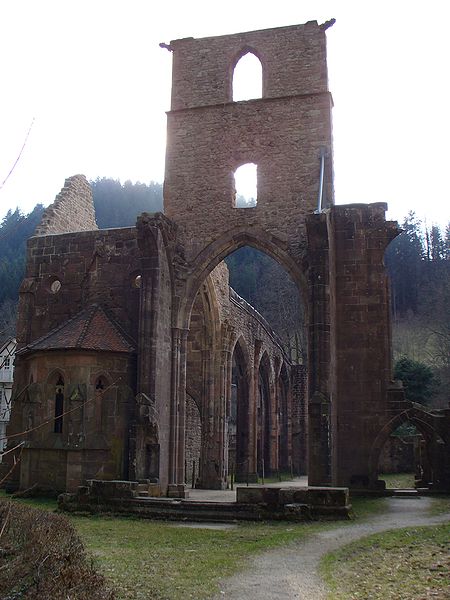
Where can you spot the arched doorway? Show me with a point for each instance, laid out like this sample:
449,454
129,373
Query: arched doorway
431,452
403,458
238,415
230,366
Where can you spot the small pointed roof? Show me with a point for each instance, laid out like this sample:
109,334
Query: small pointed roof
90,329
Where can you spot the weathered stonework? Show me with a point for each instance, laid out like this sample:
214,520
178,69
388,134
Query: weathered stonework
72,210
177,330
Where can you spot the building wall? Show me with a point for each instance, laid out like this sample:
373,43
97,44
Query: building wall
92,443
91,266
209,136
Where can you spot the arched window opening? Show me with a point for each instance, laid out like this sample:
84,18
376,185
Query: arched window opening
267,287
59,405
403,459
247,78
246,186
100,385
257,423
238,418
264,421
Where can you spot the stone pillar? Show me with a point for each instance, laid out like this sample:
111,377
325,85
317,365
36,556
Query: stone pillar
298,419
252,470
222,416
145,367
360,336
215,377
229,374
319,452
274,427
178,413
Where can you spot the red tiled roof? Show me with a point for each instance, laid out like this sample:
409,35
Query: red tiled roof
91,329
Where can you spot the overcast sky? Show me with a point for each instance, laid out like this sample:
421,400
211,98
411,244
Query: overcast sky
93,78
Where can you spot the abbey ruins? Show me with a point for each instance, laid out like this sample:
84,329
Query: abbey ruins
137,361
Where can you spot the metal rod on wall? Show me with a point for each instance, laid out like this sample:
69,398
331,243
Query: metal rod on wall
321,178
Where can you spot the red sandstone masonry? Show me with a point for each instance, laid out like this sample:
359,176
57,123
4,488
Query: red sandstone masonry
209,136
73,209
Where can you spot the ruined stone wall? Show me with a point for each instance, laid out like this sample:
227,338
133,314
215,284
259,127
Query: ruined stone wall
72,210
398,454
293,59
90,267
209,136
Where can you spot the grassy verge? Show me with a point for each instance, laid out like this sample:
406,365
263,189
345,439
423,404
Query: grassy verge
398,480
363,508
404,564
441,505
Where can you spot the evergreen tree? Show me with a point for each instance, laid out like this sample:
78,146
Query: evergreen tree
15,229
418,380
118,205
404,258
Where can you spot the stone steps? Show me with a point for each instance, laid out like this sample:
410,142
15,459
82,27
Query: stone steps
405,493
188,510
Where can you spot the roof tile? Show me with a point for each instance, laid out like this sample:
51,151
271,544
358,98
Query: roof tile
91,329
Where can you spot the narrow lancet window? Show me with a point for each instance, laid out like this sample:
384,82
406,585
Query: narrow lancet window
59,405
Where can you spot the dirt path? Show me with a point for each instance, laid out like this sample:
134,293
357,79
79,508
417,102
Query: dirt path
291,573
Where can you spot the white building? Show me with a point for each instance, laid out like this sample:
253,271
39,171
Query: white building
7,354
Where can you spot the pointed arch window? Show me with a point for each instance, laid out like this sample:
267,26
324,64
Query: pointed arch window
247,78
100,385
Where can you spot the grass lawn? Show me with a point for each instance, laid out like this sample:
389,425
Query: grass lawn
151,559
158,560
398,480
441,504
406,564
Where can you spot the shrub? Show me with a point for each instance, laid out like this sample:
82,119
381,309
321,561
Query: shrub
41,556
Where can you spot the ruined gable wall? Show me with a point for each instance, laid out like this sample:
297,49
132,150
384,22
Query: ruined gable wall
294,59
209,135
72,210
91,266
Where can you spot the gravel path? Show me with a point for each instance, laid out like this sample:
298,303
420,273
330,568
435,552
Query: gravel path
291,572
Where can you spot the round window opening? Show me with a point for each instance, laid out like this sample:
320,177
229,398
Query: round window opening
137,281
55,286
